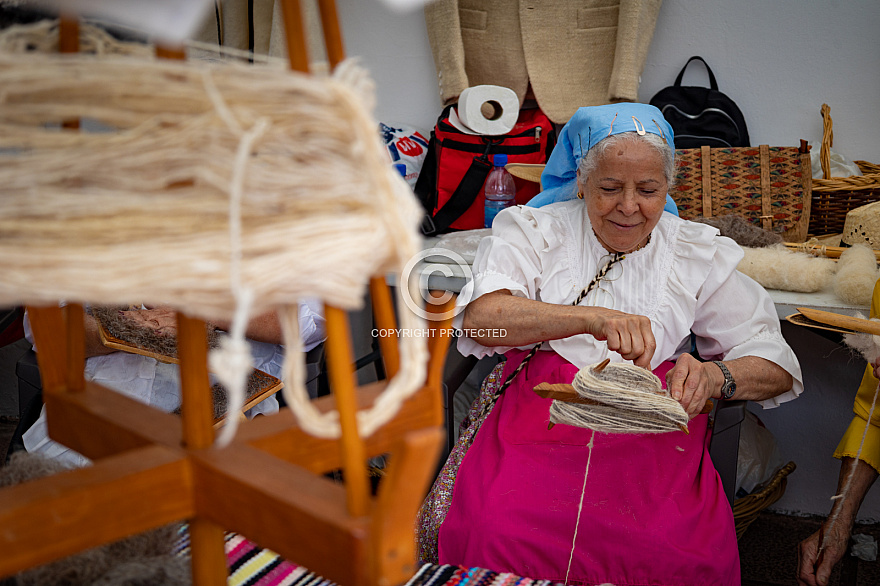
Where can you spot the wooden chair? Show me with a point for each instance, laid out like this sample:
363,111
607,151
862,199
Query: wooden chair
152,468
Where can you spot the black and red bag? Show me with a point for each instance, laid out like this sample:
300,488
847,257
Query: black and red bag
451,180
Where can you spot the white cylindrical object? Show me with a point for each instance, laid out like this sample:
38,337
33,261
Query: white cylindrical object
504,101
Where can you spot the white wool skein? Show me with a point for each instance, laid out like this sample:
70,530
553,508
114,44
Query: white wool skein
624,398
777,267
856,275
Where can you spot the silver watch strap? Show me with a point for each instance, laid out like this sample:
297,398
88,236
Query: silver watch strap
729,386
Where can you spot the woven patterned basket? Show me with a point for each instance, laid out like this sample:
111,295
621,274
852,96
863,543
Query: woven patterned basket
747,508
834,197
769,186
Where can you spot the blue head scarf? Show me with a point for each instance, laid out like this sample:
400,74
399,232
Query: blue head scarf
587,127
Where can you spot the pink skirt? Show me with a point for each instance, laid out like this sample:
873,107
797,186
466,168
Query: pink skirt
654,511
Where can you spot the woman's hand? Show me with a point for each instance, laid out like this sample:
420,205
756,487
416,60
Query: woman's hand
526,321
627,334
876,366
692,383
836,542
162,320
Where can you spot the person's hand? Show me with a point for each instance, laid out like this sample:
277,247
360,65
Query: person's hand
627,334
162,320
808,553
876,366
691,383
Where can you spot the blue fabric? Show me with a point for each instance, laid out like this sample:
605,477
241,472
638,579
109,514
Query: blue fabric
587,127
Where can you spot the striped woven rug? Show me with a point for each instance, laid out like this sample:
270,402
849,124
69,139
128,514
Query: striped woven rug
434,575
251,565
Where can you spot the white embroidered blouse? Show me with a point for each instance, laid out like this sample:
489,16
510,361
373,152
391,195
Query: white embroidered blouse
684,280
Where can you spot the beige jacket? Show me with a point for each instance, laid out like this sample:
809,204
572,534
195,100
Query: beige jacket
269,35
574,52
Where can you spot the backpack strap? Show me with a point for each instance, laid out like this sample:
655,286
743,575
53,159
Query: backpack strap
712,83
465,194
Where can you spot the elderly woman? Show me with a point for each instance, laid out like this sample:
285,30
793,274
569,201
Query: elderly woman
570,504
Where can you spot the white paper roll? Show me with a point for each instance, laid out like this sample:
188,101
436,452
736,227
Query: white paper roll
504,101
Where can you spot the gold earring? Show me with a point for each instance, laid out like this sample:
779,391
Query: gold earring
580,195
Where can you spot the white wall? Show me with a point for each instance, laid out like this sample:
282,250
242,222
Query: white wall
779,60
394,47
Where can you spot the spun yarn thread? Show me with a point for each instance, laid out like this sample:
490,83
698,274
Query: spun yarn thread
630,399
147,213
869,346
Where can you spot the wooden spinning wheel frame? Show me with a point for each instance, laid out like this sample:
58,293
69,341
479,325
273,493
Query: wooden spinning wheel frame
152,468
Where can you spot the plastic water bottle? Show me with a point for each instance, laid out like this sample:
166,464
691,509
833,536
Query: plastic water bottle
500,189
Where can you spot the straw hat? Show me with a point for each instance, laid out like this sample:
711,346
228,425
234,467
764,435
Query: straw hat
862,226
527,171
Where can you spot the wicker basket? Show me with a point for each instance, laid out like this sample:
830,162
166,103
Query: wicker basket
834,197
747,508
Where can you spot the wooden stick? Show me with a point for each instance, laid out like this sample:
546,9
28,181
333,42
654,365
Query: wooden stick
208,560
843,321
340,357
562,392
332,34
297,53
48,325
68,42
826,251
76,347
383,312
196,406
567,394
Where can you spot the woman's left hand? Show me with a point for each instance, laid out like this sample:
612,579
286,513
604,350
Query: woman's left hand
691,383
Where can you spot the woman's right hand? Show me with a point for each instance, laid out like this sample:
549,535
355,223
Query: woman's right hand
627,334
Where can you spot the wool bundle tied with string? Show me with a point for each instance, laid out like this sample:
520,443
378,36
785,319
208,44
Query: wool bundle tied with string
223,191
619,398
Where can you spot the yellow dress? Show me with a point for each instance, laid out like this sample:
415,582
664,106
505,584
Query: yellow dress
849,444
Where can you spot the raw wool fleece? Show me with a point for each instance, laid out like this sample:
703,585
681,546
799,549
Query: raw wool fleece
148,339
141,336
742,231
777,267
141,560
856,275
865,344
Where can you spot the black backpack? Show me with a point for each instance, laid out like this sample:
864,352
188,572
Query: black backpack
701,115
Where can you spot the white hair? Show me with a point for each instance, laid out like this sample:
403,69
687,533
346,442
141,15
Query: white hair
590,161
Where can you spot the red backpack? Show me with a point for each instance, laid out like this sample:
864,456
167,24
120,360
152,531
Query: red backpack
450,184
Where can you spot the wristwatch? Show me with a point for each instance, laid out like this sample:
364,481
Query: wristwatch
729,386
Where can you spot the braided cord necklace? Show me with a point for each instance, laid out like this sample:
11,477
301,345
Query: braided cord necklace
615,258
